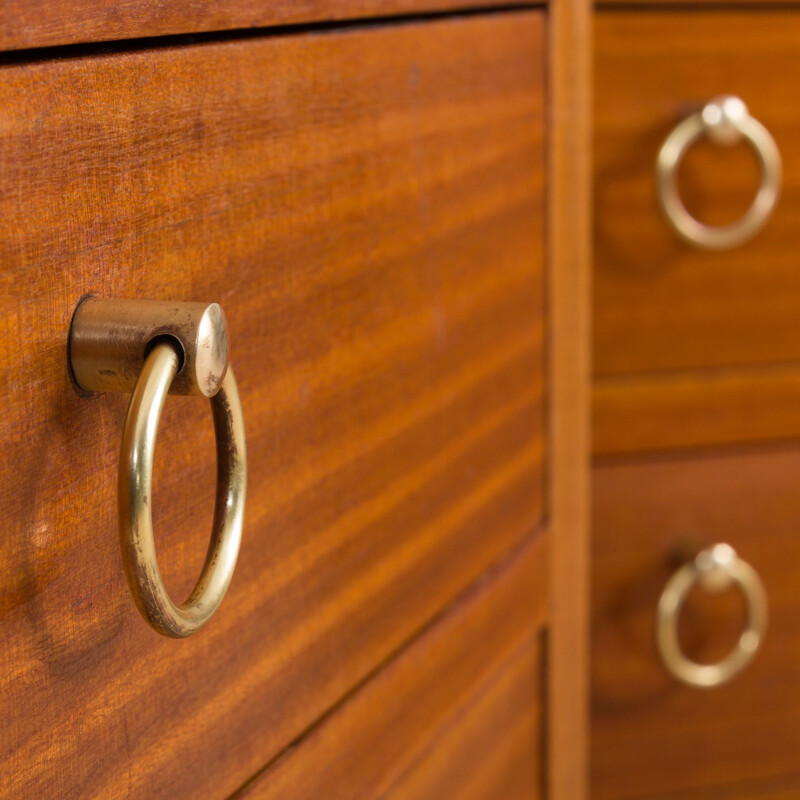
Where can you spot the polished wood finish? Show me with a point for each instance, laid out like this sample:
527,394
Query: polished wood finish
650,736
44,23
569,378
660,304
367,206
659,411
460,710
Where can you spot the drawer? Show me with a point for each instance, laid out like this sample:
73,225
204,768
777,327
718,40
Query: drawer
461,709
652,736
660,304
40,23
367,206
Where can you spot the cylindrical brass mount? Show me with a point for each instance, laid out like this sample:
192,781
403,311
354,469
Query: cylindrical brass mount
110,339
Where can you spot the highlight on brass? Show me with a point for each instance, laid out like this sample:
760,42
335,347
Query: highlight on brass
151,349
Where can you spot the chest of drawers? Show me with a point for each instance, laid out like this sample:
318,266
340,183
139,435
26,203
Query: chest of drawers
388,201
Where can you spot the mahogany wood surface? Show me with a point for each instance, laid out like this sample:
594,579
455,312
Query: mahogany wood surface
652,737
44,23
458,714
697,408
368,208
569,279
660,304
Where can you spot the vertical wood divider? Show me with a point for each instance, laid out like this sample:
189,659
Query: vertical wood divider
569,259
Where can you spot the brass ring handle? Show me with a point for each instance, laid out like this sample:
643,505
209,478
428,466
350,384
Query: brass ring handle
158,348
135,489
725,120
715,569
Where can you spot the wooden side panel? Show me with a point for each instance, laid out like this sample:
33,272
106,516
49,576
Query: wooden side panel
660,304
368,207
40,23
458,714
569,286
637,413
652,737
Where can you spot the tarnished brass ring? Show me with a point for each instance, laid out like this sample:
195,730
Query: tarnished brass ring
135,499
715,569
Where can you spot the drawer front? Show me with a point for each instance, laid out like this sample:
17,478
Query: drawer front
461,710
652,736
367,206
41,23
660,304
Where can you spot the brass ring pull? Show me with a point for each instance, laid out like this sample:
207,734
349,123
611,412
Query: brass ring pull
715,569
135,488
178,347
725,120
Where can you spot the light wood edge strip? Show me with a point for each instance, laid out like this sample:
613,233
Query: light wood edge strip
701,408
569,261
